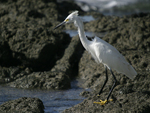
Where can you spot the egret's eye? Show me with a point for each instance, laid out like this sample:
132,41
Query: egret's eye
66,20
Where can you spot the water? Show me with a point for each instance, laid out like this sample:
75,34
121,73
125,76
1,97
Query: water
55,101
114,7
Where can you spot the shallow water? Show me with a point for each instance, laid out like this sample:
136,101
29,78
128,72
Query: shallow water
55,101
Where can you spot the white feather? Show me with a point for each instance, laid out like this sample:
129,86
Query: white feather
102,51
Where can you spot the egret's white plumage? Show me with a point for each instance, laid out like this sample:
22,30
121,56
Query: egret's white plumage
105,53
101,51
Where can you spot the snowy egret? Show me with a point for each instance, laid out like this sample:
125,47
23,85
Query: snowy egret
102,52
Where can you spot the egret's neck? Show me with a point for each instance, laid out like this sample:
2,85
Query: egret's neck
78,22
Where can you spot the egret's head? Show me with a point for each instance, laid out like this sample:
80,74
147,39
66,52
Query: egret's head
70,18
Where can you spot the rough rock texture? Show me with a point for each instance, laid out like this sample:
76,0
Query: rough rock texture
42,80
23,105
26,29
30,47
59,77
131,102
69,62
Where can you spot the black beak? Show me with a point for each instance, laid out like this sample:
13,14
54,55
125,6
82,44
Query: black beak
59,25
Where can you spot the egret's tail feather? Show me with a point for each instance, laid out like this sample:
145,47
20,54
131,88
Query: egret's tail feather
130,72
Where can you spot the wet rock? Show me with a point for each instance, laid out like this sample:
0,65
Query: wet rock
43,80
60,75
23,105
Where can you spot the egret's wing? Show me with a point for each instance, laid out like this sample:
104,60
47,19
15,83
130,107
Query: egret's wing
111,57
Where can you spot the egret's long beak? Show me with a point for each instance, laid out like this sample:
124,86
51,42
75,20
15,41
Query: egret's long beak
59,25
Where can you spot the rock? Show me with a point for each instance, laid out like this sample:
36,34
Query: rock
69,62
9,74
43,80
85,93
132,102
89,70
30,47
28,33
59,77
23,105
6,55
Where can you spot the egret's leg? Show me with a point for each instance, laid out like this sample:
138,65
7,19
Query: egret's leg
104,82
113,84
105,101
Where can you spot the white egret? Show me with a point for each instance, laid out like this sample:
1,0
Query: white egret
102,52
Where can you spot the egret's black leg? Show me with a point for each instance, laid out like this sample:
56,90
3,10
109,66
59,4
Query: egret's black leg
104,82
105,101
113,84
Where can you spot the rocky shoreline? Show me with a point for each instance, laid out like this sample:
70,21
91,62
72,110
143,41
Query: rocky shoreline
33,55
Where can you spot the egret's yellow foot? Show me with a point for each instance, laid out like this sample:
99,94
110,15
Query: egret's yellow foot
103,102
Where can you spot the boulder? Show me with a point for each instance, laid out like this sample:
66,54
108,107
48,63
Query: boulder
23,105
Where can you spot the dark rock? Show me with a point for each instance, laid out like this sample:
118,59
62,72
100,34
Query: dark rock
60,75
69,62
9,74
69,6
43,80
6,55
23,105
28,33
30,46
